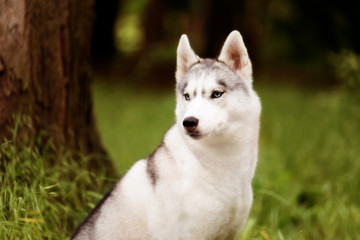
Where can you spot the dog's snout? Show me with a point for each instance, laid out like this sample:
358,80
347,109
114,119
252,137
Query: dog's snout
190,123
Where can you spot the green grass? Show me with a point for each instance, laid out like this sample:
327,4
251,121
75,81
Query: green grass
44,195
131,123
306,185
307,182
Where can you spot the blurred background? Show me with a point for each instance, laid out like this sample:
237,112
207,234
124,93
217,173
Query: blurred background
306,65
288,40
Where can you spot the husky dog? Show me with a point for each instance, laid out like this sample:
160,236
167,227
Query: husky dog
197,183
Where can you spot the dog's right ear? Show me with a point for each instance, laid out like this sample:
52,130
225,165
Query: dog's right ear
185,57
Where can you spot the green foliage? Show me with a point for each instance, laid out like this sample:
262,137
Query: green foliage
346,65
129,34
45,193
306,185
129,29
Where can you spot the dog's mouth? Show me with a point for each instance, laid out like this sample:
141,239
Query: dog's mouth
194,134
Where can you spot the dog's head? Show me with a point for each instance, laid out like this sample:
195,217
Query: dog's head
215,96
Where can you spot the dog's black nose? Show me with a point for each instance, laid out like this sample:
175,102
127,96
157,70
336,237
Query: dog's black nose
190,123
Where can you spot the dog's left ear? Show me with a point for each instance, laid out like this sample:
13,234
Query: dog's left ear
185,57
234,54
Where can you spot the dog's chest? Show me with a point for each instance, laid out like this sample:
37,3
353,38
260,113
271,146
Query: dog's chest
200,212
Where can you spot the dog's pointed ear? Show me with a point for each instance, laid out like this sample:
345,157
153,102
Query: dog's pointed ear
185,57
234,54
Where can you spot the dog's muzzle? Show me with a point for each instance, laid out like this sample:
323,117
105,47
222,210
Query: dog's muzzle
190,123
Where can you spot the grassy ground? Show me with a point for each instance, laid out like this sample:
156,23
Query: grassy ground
306,185
44,195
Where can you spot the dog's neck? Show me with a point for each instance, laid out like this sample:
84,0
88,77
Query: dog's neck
227,160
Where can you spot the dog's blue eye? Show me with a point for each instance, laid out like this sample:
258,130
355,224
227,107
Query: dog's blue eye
187,97
216,94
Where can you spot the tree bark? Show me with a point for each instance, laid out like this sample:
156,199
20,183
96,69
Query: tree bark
44,70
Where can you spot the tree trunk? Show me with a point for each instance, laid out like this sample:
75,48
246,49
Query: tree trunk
44,70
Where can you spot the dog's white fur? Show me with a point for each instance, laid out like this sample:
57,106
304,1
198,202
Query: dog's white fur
194,186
